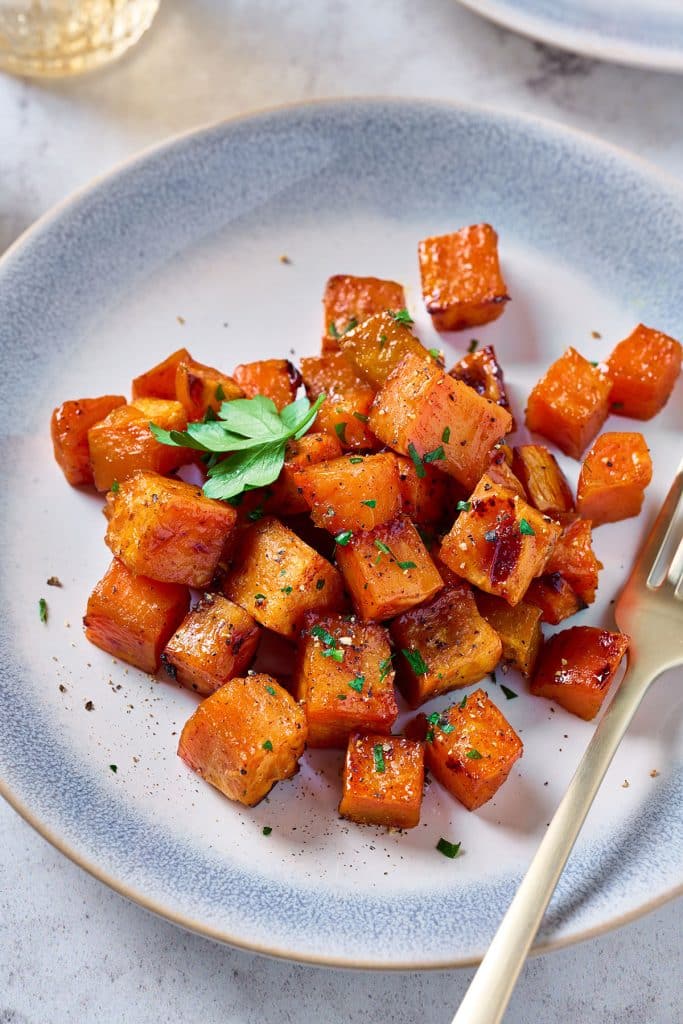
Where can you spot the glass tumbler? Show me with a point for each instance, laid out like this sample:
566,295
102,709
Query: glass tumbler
65,37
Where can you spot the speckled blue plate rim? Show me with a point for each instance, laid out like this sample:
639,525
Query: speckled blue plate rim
607,882
648,38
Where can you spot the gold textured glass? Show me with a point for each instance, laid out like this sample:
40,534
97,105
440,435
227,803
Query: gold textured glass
65,37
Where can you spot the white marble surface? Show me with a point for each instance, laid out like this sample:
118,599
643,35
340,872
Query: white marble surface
70,950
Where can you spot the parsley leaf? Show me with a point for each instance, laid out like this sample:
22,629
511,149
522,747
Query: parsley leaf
343,538
416,661
473,755
42,609
464,506
417,461
448,849
510,694
526,528
357,684
436,455
473,346
402,317
446,436
378,756
340,431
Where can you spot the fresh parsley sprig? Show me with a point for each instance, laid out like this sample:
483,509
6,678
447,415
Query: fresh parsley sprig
255,434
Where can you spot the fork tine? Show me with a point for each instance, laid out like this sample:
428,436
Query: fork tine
675,574
655,555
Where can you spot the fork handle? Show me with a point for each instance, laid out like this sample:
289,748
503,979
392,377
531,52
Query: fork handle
489,992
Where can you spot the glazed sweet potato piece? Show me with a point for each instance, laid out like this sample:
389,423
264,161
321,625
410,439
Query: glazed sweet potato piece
277,578
422,412
519,629
122,443
345,678
199,388
577,666
245,737
286,495
574,558
69,428
471,748
348,300
643,370
331,374
426,499
500,542
277,379
613,478
167,530
482,371
377,345
443,645
555,598
345,416
382,781
159,382
570,403
215,641
352,493
461,279
133,617
387,570
544,482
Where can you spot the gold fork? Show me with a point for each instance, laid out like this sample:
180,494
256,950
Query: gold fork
650,610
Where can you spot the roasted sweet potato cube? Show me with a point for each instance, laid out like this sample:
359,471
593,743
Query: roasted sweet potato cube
69,428
277,379
331,374
555,597
167,530
199,388
348,300
577,666
426,499
122,443
345,678
443,645
471,748
352,493
159,382
613,478
216,641
387,570
383,780
133,617
544,482
500,477
461,279
643,369
519,629
286,497
245,737
377,345
422,412
500,543
574,558
482,371
345,416
276,578
570,403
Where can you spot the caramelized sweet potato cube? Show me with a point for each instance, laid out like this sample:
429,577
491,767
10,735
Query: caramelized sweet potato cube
574,558
570,403
426,498
286,498
215,641
277,578
277,379
348,300
377,345
69,428
471,748
643,369
159,382
382,781
387,570
555,597
167,530
461,279
122,443
422,412
331,374
133,617
482,371
519,629
544,482
352,493
245,737
199,388
345,678
443,645
345,416
577,666
500,543
613,478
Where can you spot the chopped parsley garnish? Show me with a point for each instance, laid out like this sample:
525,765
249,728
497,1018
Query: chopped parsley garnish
259,598
448,849
416,661
473,755
286,590
417,461
447,727
319,584
114,487
436,455
267,745
378,755
343,538
407,565
332,330
321,634
355,460
42,609
371,503
462,703
361,416
270,690
341,696
114,768
594,362
357,684
220,393
526,528
382,339
384,668
446,436
351,324
433,718
340,431
493,677
473,346
491,536
266,830
403,317
510,694
383,548
435,353
464,506
256,514
333,652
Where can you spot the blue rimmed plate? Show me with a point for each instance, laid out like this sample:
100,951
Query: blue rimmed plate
183,247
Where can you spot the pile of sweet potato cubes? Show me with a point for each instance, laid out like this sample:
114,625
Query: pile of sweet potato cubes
403,542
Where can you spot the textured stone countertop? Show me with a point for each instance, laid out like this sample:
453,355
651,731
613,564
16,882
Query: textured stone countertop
71,950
